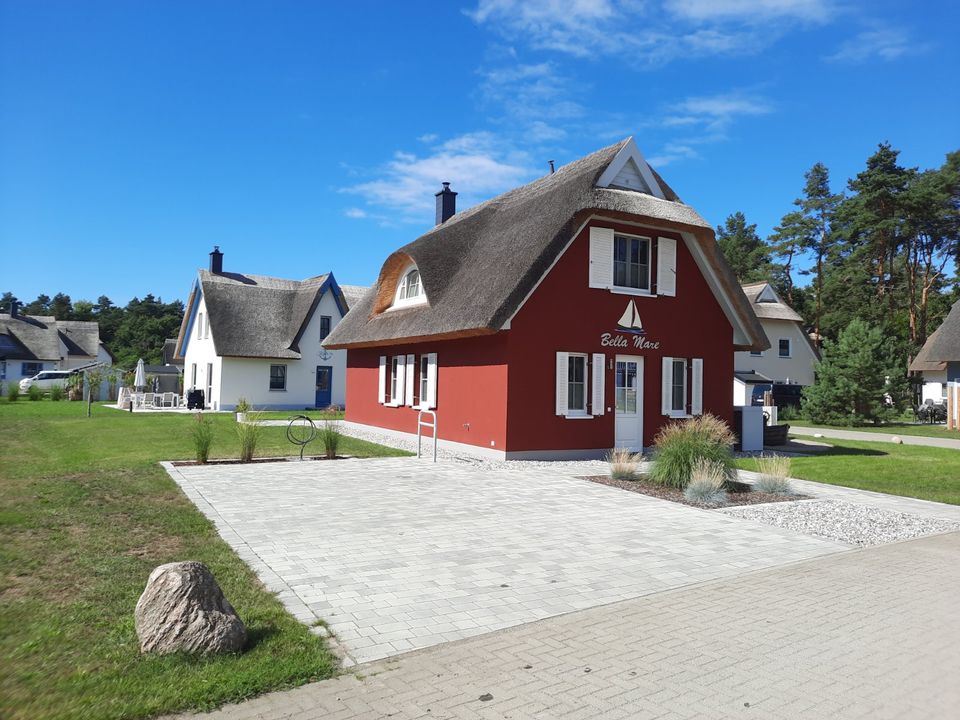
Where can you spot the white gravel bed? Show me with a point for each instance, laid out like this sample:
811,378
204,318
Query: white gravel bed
595,467
849,523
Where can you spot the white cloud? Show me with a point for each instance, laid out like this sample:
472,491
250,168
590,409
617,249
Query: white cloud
882,43
528,92
355,212
649,33
478,166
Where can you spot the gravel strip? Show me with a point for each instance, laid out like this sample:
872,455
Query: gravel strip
853,524
580,467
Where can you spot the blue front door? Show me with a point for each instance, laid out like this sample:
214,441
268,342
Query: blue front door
324,386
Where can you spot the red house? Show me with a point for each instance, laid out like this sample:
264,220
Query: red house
566,317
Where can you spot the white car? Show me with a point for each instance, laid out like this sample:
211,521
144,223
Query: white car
45,380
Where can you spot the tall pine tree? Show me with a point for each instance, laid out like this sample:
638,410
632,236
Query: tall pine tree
748,255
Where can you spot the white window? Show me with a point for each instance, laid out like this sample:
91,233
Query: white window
631,262
574,381
756,353
784,347
679,391
576,384
200,326
209,385
398,366
409,289
424,380
206,327
678,386
278,377
193,376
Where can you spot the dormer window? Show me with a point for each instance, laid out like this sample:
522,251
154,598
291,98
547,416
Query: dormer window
410,289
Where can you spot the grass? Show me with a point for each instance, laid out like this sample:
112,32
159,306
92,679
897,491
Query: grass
914,471
85,515
890,429
312,414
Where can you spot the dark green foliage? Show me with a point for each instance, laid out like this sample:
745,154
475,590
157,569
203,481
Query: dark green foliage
35,393
748,255
859,379
13,390
57,393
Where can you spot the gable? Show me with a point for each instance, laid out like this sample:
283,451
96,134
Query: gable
630,178
629,171
767,295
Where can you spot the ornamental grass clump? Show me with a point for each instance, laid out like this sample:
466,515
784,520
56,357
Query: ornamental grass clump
706,483
35,393
249,434
624,464
57,393
13,390
679,445
774,471
202,435
330,434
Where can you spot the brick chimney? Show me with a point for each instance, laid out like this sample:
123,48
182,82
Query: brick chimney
446,204
14,308
216,260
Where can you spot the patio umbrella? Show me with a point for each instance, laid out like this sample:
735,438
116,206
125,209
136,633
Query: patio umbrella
140,378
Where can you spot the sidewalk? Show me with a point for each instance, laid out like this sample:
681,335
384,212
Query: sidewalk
863,634
877,437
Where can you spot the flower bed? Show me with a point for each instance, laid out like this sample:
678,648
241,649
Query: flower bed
738,496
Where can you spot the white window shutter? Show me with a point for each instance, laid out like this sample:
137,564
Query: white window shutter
411,377
666,386
382,386
696,388
601,257
599,374
562,380
431,402
401,379
666,266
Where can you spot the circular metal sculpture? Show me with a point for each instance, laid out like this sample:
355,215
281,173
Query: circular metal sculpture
301,431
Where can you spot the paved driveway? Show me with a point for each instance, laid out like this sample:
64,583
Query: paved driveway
397,554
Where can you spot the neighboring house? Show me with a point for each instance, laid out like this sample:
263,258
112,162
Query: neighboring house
938,361
170,353
258,338
577,313
32,343
791,357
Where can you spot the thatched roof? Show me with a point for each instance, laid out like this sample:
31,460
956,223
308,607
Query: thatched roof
38,337
767,304
353,294
942,346
478,266
255,315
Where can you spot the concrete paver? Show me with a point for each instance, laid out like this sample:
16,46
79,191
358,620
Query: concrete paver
397,554
865,634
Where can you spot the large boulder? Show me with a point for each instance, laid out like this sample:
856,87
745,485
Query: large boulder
182,609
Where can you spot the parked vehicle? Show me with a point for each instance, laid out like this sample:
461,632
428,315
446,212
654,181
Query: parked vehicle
45,380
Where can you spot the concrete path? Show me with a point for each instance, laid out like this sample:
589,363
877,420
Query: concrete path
400,553
866,634
877,437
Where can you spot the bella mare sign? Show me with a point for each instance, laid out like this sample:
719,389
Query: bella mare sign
630,332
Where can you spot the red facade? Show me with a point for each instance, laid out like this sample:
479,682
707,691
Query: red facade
498,391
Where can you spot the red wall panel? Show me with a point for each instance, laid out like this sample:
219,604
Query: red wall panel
565,315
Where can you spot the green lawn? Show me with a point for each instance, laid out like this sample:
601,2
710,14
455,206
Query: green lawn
937,431
927,473
85,514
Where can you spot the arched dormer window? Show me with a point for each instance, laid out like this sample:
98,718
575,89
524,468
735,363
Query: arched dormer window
409,289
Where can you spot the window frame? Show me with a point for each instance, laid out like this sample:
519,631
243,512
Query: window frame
38,368
756,353
200,326
403,288
272,377
789,343
394,380
424,381
648,290
682,410
329,323
582,411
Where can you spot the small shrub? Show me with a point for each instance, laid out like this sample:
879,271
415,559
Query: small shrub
249,434
774,473
202,435
706,483
242,406
35,393
330,434
679,445
789,412
57,392
13,390
624,464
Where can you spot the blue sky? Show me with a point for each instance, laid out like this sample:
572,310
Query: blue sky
306,137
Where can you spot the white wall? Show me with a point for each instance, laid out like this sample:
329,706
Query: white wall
249,378
798,368
739,393
934,382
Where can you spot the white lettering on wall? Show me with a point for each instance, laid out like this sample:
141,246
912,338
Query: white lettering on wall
621,341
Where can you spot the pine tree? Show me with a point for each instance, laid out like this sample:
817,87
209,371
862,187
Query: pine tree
860,379
746,253
818,206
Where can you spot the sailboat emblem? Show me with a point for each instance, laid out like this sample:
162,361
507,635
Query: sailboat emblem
629,322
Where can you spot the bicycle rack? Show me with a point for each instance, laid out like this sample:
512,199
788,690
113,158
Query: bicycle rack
433,425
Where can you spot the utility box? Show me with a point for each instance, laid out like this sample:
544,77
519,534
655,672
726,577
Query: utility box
748,426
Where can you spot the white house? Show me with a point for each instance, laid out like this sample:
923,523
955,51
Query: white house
938,361
791,358
30,344
259,338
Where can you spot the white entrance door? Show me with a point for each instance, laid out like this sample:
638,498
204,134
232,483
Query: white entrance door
629,399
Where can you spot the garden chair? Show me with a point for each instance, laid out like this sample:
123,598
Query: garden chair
148,399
